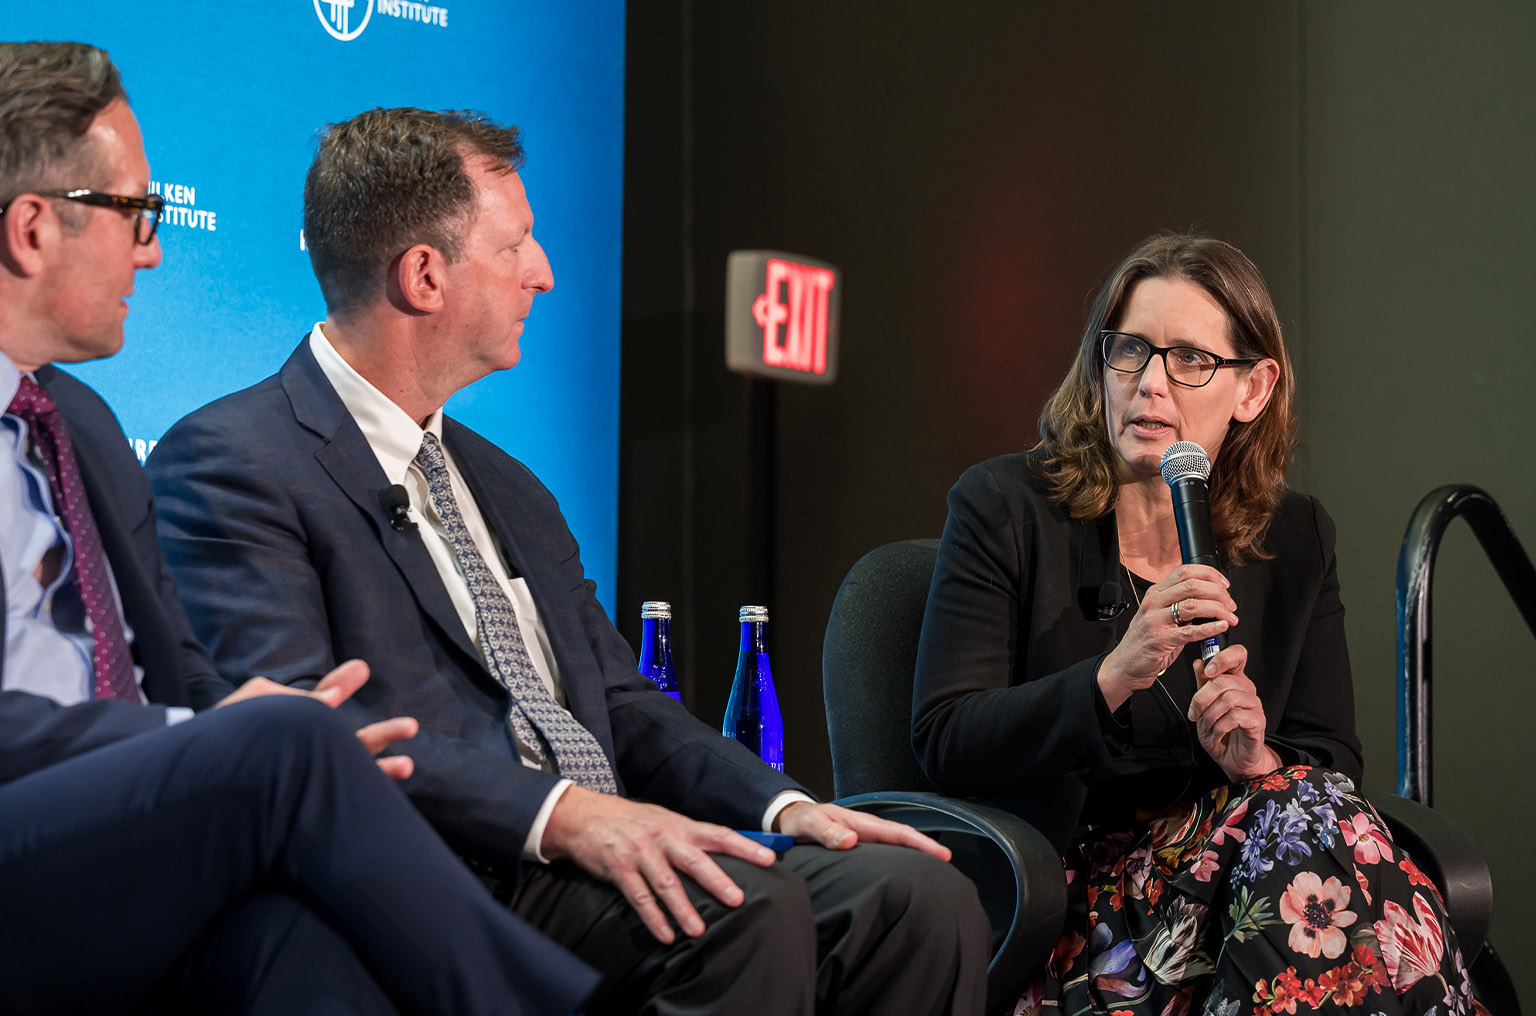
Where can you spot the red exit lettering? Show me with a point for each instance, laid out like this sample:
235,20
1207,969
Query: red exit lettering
792,312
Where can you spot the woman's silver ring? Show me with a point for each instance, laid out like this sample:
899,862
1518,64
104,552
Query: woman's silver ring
1173,610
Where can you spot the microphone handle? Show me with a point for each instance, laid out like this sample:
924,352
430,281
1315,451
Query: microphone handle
1192,517
1197,542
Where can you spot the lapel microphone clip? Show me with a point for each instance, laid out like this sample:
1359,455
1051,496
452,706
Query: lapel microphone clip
397,508
1110,605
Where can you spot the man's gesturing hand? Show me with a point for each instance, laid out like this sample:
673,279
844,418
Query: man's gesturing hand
640,848
334,689
839,828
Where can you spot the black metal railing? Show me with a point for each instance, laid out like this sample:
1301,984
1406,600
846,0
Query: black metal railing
1415,568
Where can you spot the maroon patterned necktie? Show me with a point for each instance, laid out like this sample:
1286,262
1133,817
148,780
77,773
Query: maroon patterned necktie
109,644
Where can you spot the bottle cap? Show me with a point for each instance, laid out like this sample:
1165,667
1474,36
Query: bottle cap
753,614
658,609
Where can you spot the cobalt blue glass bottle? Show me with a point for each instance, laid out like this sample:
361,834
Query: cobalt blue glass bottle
656,646
752,714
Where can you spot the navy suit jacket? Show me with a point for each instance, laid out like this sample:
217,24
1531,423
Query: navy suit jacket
271,515
177,671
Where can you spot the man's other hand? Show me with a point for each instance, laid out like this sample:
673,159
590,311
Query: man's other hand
838,828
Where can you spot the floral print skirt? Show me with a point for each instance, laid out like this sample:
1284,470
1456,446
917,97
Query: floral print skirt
1283,895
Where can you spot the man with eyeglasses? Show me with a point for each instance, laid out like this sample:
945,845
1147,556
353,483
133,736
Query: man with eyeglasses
252,859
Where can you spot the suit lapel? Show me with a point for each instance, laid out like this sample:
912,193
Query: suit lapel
344,454
516,529
502,511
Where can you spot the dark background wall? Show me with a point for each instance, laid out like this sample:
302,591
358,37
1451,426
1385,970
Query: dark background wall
975,169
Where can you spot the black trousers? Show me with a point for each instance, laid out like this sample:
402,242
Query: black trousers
875,929
250,860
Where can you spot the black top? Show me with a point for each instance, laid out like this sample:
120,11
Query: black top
1006,705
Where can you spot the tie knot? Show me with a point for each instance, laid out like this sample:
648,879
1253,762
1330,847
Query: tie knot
431,453
30,400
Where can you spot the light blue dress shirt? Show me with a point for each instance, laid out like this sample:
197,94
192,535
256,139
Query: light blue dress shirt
47,634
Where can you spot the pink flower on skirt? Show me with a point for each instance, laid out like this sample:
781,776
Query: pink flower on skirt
1230,827
1315,910
1370,843
1365,888
1411,949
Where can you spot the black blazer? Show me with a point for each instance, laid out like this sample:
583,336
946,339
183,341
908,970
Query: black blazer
177,671
1006,705
271,516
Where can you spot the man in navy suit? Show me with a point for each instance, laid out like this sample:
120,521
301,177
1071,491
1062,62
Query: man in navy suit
336,501
251,859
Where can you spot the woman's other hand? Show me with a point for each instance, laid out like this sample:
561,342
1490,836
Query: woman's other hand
1229,718
1161,629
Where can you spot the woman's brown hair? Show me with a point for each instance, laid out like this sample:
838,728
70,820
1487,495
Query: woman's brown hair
1248,477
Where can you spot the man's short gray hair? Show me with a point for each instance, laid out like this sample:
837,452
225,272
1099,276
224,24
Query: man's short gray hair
50,92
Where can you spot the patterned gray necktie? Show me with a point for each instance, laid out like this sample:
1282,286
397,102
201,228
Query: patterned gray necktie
536,718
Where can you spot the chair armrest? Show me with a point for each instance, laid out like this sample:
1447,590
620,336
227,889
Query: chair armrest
1040,888
1448,856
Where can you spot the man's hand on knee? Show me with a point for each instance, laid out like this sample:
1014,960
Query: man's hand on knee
641,848
839,828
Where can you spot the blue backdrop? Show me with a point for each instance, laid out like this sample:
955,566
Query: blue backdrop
230,97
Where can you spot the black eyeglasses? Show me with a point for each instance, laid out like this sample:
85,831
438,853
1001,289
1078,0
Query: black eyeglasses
145,210
1186,365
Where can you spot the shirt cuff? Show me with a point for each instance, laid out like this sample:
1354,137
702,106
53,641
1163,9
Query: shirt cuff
532,846
177,714
782,800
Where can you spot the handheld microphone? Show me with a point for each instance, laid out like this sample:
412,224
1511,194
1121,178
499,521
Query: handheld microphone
1186,467
397,506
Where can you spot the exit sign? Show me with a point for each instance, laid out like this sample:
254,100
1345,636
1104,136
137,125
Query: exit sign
781,314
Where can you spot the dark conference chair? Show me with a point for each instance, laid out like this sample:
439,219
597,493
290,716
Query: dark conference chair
868,659
867,662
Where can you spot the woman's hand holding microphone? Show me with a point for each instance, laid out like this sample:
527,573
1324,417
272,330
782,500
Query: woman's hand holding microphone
1163,626
1229,718
1226,711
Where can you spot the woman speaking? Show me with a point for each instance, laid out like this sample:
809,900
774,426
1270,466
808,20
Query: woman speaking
1219,857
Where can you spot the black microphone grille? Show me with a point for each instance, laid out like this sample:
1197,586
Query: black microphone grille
1184,459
